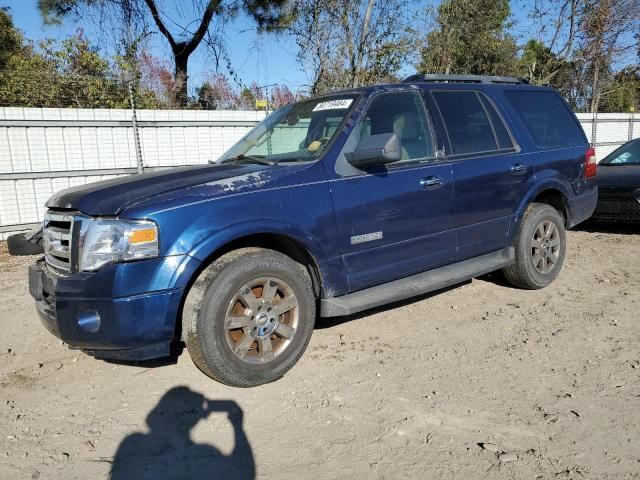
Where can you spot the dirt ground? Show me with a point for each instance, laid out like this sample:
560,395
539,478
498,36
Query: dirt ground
479,381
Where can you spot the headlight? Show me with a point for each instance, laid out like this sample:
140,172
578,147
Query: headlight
105,241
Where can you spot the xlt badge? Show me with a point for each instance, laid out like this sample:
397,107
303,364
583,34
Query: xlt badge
367,237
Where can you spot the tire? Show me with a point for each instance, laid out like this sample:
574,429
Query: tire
530,270
247,288
18,245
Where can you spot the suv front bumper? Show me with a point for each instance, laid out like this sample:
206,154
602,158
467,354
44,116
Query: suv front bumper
132,327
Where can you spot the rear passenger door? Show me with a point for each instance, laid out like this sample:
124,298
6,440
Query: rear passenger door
489,175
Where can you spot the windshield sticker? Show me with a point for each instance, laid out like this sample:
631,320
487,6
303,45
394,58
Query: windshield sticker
333,105
621,158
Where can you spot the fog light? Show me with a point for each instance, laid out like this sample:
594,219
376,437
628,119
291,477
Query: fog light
89,320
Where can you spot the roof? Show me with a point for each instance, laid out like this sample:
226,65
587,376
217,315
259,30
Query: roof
481,81
486,79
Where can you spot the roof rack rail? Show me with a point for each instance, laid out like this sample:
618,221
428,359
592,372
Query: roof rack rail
437,78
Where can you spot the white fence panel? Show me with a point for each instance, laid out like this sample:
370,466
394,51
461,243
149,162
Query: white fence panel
611,130
43,150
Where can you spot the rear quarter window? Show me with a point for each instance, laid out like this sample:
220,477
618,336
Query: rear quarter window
547,118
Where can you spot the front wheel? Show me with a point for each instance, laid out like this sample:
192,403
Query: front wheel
540,248
249,317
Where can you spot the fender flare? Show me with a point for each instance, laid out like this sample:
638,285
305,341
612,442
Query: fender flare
542,186
203,250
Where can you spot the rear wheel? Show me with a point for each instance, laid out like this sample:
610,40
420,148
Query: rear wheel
249,317
540,248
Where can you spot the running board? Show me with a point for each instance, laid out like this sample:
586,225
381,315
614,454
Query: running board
419,284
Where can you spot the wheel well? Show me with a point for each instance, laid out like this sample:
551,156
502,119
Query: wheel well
280,243
556,200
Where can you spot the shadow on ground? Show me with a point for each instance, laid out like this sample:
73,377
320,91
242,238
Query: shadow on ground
330,322
177,347
619,228
167,451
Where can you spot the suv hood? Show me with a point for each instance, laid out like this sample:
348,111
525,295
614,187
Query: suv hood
109,197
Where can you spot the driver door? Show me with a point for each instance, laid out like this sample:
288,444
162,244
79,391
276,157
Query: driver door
395,220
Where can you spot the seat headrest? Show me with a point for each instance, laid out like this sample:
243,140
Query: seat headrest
405,126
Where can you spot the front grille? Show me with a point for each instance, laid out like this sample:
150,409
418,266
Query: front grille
56,236
618,208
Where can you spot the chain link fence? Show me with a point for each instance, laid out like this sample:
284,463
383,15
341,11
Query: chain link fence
89,130
60,132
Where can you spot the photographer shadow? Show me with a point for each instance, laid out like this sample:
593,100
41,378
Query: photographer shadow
168,452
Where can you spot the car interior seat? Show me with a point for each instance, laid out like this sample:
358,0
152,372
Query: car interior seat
407,127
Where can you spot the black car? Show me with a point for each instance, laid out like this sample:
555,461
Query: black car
619,185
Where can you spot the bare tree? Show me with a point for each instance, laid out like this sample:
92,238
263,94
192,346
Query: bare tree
349,43
182,40
607,29
550,49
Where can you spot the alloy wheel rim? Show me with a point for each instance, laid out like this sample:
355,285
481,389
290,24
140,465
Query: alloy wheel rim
545,247
261,320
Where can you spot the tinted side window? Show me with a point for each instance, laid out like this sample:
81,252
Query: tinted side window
547,118
468,126
402,114
501,133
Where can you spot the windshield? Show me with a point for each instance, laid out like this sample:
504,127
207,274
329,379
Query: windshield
298,132
628,154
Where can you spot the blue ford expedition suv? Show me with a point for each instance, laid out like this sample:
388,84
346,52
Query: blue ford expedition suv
330,206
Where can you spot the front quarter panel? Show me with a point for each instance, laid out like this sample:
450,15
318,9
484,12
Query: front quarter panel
292,201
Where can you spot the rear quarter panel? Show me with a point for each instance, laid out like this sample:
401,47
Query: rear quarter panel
560,169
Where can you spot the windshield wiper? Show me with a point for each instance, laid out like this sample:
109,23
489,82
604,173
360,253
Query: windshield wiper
251,158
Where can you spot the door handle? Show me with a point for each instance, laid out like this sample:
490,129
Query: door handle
431,182
518,169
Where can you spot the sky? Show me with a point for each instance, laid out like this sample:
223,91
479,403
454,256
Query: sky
262,58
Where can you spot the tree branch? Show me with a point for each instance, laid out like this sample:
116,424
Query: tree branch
202,29
160,24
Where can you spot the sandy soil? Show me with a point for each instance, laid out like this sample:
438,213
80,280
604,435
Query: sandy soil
480,381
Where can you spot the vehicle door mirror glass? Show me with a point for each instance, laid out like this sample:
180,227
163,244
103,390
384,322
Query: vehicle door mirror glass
376,150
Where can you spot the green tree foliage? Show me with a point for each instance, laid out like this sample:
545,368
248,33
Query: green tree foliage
540,66
11,41
622,94
247,100
471,37
69,73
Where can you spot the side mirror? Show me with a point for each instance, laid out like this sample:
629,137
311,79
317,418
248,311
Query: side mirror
376,150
